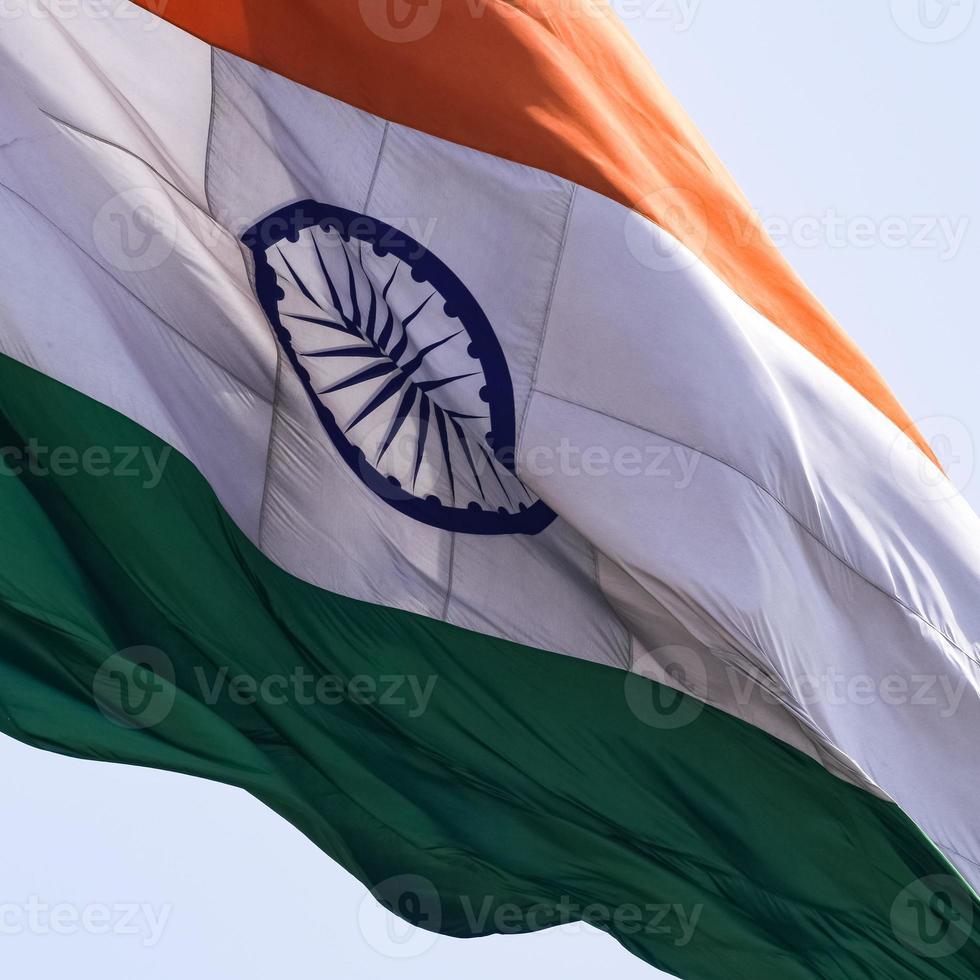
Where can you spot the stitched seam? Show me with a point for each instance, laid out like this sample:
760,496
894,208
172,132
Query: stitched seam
377,165
276,402
207,211
952,850
277,389
789,513
547,319
190,343
449,583
130,153
270,451
451,563
629,661
210,140
746,641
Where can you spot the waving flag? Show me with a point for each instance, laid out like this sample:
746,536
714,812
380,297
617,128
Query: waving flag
405,418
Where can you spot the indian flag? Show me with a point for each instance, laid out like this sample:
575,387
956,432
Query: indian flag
404,417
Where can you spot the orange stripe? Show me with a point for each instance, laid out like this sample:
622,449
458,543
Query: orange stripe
554,84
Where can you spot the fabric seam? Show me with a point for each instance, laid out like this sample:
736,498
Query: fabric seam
190,343
546,320
784,507
210,139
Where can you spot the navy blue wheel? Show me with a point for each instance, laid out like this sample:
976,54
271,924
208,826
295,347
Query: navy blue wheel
400,363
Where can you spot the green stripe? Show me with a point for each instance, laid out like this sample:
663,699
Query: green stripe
526,793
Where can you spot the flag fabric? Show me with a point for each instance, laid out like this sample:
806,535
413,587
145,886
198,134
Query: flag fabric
406,419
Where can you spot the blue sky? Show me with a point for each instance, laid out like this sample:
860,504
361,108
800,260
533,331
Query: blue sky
852,129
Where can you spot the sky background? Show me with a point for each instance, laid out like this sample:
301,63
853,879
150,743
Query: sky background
852,129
